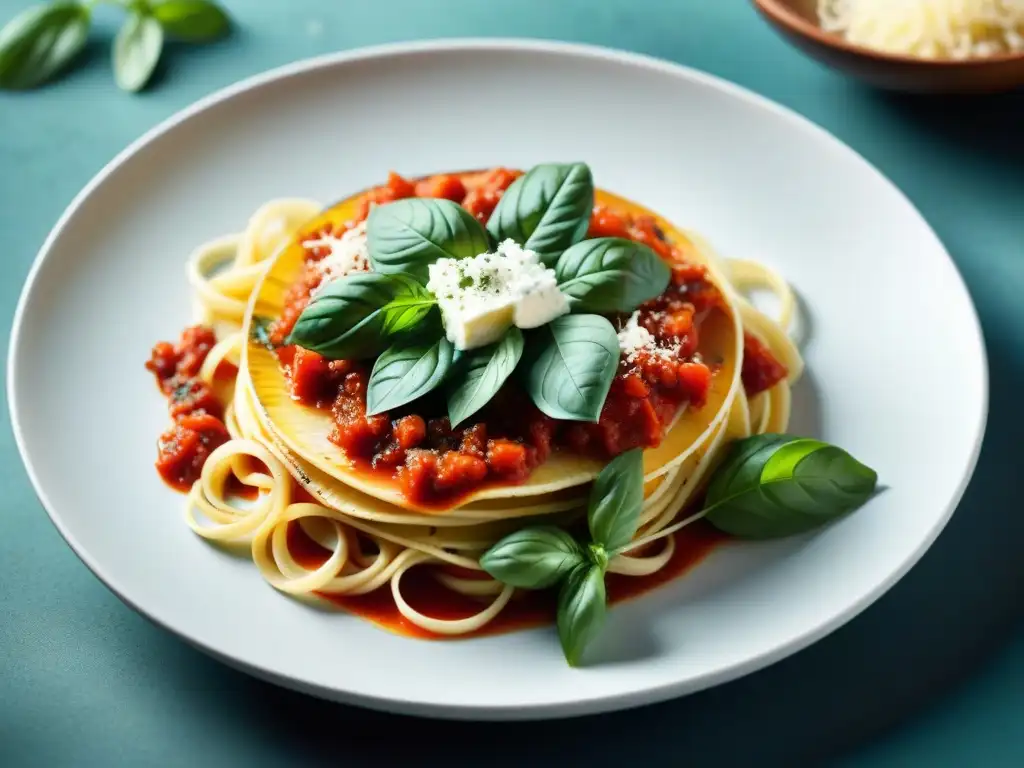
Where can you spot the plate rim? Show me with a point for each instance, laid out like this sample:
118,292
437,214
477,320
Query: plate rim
603,702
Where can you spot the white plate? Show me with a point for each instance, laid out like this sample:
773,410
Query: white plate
896,364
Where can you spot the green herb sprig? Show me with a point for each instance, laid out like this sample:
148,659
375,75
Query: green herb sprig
767,486
42,41
567,365
539,558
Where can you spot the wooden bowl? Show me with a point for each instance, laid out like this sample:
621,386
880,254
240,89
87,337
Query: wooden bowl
797,21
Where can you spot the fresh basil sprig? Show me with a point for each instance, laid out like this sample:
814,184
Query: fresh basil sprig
768,486
778,485
353,317
43,40
546,210
569,364
611,274
537,558
571,361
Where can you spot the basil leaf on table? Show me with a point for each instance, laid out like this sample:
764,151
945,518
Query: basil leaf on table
573,361
408,235
137,49
776,485
616,499
482,373
347,319
39,42
582,605
611,274
404,373
533,558
193,21
546,210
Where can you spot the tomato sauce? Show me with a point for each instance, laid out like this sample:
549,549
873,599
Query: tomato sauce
761,371
198,427
236,489
422,590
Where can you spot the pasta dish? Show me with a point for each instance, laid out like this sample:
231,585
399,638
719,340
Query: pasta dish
483,400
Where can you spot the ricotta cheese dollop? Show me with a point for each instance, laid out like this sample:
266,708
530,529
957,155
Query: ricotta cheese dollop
482,297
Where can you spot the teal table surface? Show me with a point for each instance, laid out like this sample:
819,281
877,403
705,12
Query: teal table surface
933,674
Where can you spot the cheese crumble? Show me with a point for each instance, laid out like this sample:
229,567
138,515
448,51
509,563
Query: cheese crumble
482,297
634,339
347,254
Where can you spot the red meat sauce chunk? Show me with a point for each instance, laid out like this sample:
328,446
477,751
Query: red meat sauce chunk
444,186
197,413
477,193
183,449
172,363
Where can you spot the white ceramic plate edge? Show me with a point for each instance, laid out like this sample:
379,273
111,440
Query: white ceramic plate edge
561,709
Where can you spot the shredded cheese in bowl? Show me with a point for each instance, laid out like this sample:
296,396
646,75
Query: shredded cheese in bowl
929,29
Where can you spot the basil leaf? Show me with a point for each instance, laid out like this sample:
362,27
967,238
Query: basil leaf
742,465
346,320
616,499
611,274
194,21
533,558
408,309
408,235
404,373
582,604
777,485
137,50
546,210
573,361
483,374
39,42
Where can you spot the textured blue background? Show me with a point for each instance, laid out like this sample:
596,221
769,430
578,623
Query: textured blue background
933,674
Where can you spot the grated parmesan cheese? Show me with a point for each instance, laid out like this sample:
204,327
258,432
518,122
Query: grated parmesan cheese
929,29
348,253
634,339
